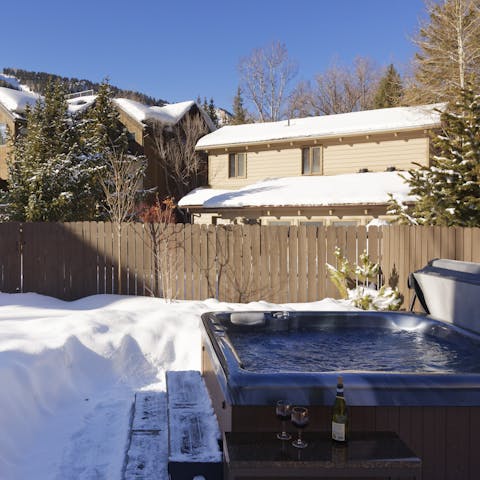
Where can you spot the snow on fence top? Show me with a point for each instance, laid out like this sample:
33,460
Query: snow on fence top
346,189
368,121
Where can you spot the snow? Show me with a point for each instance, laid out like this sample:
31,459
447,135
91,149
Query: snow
16,101
70,370
79,104
169,114
13,81
365,122
347,189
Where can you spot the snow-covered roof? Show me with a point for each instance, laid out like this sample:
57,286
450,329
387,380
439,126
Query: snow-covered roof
16,101
79,104
171,113
368,121
347,189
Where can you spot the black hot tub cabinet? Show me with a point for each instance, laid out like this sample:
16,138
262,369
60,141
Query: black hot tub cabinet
434,407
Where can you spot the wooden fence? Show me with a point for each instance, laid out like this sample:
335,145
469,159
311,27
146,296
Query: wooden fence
232,263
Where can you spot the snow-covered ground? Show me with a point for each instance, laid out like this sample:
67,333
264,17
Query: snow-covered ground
69,372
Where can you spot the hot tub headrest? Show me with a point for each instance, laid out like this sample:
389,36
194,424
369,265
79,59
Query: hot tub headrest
247,318
455,265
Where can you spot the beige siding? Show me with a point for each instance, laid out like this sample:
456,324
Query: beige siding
339,156
260,165
376,156
4,149
134,127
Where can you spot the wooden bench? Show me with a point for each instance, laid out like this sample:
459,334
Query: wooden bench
367,455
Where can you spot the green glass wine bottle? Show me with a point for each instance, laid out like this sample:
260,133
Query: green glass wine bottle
340,416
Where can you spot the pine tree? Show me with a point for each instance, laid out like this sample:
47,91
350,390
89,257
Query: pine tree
239,112
101,127
49,177
390,89
212,113
448,191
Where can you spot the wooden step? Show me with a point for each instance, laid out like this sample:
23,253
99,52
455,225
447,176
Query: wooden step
193,439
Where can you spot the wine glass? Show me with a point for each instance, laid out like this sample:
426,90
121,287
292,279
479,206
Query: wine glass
299,420
283,412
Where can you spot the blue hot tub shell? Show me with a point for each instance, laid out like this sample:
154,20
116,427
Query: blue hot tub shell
241,387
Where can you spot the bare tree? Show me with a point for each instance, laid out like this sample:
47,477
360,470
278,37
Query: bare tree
265,76
161,241
338,90
183,168
121,181
449,51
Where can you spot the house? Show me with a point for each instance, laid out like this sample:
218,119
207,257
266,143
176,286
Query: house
145,123
12,109
336,169
138,119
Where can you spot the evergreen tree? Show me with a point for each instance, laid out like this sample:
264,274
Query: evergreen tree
390,89
101,127
448,191
49,177
239,112
212,113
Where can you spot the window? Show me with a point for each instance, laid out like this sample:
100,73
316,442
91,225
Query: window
237,165
345,223
3,133
279,223
312,223
312,161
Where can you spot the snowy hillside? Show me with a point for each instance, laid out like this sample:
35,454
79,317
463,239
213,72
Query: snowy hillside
69,372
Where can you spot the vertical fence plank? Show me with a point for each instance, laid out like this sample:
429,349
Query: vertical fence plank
302,263
196,271
475,244
312,260
179,264
255,248
331,260
222,260
211,260
293,264
321,263
203,260
187,238
247,269
10,257
271,250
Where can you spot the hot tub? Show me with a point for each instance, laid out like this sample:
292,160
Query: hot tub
427,390
385,358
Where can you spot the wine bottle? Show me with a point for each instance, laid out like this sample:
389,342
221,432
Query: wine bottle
339,417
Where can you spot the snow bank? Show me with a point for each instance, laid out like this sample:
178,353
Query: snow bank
346,189
69,371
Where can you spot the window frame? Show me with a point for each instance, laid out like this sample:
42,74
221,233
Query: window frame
235,156
311,150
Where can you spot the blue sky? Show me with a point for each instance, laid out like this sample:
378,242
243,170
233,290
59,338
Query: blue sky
177,50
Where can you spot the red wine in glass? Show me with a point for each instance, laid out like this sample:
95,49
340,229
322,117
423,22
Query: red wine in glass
300,421
283,412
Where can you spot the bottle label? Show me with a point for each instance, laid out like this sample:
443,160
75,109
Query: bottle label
338,431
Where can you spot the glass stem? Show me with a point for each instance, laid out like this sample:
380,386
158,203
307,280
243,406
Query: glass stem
284,429
299,436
